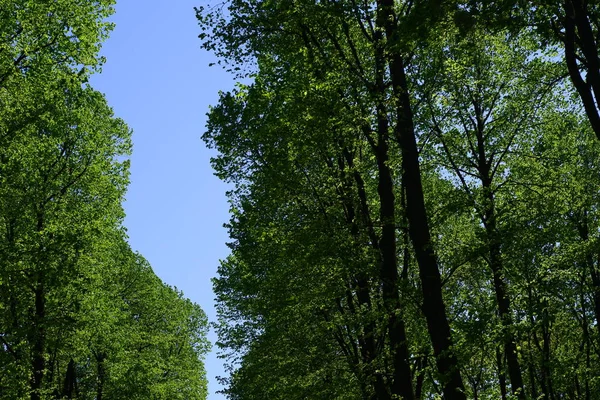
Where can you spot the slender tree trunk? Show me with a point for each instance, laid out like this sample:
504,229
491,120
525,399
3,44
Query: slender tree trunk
532,384
38,341
543,368
69,387
510,348
546,370
101,374
420,364
501,374
367,343
402,384
489,220
588,392
595,275
475,393
579,33
586,340
584,234
576,393
38,362
502,297
388,272
431,283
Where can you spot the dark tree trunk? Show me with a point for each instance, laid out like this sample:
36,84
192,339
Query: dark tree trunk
595,275
501,374
580,35
70,384
546,370
387,259
584,234
38,362
494,244
420,365
532,383
402,384
388,272
431,283
101,374
502,297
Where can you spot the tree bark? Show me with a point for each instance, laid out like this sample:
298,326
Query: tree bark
501,374
101,374
584,234
366,339
433,304
69,387
502,296
579,33
38,362
38,340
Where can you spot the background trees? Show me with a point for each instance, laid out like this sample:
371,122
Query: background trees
406,207
82,315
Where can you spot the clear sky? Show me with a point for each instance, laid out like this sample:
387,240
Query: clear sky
157,79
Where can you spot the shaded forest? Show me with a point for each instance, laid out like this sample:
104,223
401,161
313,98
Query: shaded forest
82,316
415,198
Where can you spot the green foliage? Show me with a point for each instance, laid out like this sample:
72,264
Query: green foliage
315,146
81,315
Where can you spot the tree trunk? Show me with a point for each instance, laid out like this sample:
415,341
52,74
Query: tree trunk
101,374
38,340
366,340
584,234
579,33
388,272
38,362
69,387
431,283
420,365
402,384
501,374
502,297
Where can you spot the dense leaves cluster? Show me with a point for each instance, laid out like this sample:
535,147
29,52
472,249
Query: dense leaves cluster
81,315
415,199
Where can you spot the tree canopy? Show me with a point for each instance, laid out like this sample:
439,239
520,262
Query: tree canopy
414,203
82,316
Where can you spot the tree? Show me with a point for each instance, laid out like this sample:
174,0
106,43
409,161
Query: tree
480,102
61,180
43,45
573,24
82,315
402,211
365,42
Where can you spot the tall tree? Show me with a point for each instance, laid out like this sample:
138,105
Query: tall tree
486,91
406,211
360,46
67,274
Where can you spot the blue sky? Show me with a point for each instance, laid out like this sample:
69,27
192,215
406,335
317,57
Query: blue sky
157,79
